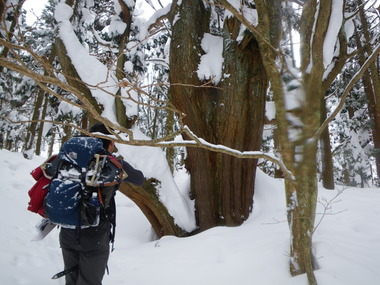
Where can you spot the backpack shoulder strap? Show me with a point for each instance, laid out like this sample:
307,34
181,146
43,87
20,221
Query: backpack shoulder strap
51,166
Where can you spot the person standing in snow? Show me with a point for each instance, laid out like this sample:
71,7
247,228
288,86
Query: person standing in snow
85,251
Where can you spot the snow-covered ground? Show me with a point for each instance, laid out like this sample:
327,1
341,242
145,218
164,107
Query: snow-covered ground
347,242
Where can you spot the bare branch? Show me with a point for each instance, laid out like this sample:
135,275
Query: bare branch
41,79
195,142
327,206
236,153
117,132
346,91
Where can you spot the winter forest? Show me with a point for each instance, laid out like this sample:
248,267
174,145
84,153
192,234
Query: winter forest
219,89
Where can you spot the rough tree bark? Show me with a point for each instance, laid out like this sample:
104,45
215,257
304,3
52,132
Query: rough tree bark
232,115
146,198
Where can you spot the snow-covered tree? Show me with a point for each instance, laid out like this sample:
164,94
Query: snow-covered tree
219,82
203,70
324,52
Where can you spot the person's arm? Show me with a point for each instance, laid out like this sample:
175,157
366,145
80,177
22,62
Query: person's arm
135,176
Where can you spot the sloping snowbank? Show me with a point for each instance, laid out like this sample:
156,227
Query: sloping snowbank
347,242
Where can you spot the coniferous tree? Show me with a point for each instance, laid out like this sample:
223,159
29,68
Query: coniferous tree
228,111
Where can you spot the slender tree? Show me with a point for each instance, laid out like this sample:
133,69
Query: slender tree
371,78
318,69
327,171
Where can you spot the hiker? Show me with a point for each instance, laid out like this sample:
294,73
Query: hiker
86,250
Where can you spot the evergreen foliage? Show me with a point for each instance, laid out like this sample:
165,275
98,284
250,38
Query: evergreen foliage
147,60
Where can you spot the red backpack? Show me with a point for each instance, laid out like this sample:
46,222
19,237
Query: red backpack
39,190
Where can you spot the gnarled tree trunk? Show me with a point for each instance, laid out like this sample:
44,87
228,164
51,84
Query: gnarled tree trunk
146,198
230,114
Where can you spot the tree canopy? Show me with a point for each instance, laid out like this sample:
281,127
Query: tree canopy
219,88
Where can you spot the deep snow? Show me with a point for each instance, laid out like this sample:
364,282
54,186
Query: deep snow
347,242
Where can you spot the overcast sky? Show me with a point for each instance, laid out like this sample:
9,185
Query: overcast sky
33,7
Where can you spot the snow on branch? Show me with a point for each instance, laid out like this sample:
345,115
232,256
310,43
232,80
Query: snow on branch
43,81
83,62
245,22
202,143
298,2
346,91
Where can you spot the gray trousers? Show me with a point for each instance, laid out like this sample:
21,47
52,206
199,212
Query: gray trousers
89,250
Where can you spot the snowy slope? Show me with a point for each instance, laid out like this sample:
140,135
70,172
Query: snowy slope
347,242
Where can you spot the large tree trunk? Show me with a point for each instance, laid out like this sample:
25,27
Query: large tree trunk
231,115
146,198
